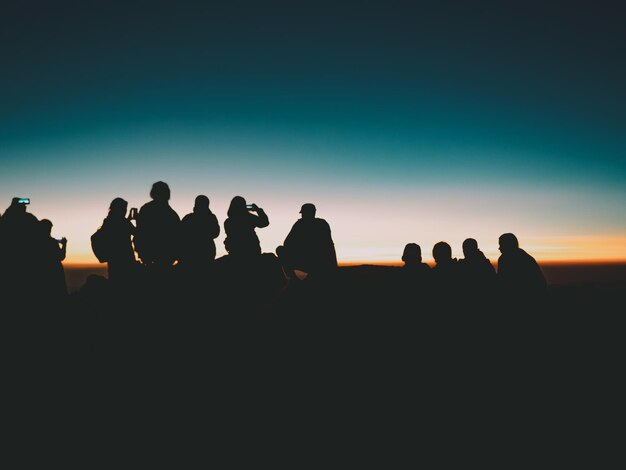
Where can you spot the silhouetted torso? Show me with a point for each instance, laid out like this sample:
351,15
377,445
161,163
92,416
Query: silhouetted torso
157,236
416,270
519,274
241,238
51,274
446,274
199,230
310,246
19,254
121,260
477,272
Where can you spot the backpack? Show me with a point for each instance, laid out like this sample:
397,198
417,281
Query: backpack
100,245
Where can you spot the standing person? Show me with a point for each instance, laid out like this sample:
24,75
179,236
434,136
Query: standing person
308,247
119,229
519,275
157,236
18,255
51,274
199,230
240,227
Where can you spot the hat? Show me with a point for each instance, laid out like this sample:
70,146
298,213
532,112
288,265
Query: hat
307,207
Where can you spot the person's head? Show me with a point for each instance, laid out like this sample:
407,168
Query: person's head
412,253
442,252
118,207
307,211
470,247
160,192
508,243
237,206
46,226
17,206
201,204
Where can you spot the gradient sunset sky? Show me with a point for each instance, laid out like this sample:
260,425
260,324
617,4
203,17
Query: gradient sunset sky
402,122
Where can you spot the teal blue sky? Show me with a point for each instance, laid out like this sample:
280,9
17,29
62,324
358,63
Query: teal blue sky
403,122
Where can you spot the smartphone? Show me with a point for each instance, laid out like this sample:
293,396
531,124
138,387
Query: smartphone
249,206
24,200
133,212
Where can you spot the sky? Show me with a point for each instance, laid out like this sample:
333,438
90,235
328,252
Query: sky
401,121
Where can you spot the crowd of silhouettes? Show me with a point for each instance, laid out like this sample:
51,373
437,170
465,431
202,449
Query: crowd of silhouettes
154,242
30,258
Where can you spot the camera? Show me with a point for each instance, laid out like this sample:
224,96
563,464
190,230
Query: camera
24,200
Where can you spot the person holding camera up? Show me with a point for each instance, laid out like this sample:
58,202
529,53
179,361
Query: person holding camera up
119,229
50,272
18,257
240,227
245,258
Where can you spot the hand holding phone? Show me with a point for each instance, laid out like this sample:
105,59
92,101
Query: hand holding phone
252,207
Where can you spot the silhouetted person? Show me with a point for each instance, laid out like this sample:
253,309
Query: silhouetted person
519,275
446,270
241,239
16,219
121,263
157,235
50,273
413,278
246,260
20,235
308,247
412,258
199,230
478,274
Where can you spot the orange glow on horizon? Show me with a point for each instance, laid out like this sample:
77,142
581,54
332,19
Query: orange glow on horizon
556,262
546,250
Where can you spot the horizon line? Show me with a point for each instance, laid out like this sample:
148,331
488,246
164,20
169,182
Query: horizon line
93,265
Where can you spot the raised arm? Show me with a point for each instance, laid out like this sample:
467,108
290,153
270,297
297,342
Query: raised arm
261,219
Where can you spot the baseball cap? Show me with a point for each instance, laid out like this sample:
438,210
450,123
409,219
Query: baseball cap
307,207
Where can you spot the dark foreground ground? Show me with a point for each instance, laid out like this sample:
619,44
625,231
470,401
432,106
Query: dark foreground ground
573,273
363,368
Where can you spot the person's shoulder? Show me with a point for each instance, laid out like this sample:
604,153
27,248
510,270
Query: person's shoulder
172,213
322,222
146,208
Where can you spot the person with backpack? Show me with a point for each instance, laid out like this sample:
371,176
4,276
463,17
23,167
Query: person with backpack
113,242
